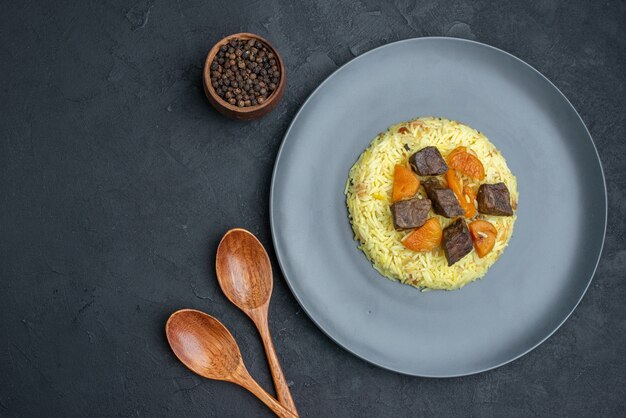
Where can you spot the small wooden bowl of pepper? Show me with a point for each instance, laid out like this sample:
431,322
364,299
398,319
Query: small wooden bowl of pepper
244,77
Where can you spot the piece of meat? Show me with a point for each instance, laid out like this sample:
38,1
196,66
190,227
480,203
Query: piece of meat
428,162
456,241
411,213
443,199
494,199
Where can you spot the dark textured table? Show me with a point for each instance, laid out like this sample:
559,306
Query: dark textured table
117,180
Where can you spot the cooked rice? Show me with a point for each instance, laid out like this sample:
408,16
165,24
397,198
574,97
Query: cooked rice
368,192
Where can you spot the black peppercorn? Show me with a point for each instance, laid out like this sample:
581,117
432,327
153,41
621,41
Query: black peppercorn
244,72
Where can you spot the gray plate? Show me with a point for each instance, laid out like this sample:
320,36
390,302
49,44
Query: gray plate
558,236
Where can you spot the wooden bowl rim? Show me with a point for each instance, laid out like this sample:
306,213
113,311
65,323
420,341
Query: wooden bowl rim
207,74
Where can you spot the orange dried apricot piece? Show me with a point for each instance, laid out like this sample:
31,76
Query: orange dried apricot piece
466,163
484,235
464,194
425,238
469,202
455,183
405,183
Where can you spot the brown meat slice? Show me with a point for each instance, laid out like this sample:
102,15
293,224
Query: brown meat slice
443,199
411,213
494,199
456,241
428,162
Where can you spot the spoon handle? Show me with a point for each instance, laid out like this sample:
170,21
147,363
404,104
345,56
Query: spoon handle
246,381
283,393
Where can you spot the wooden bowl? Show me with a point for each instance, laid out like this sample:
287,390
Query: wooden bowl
236,112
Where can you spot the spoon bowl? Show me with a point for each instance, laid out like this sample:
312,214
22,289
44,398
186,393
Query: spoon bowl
203,344
243,269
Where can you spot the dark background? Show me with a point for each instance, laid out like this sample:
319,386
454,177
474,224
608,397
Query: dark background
117,180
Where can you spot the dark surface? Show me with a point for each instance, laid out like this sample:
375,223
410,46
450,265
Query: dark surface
117,180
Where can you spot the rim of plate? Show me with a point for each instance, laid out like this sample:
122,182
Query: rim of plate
280,256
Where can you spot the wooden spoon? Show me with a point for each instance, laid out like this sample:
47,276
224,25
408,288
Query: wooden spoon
206,347
245,276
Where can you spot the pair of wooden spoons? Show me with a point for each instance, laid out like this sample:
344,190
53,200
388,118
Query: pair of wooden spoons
204,344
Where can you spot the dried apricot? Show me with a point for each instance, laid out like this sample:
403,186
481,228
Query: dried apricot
484,235
464,194
469,202
405,183
466,163
455,183
425,238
